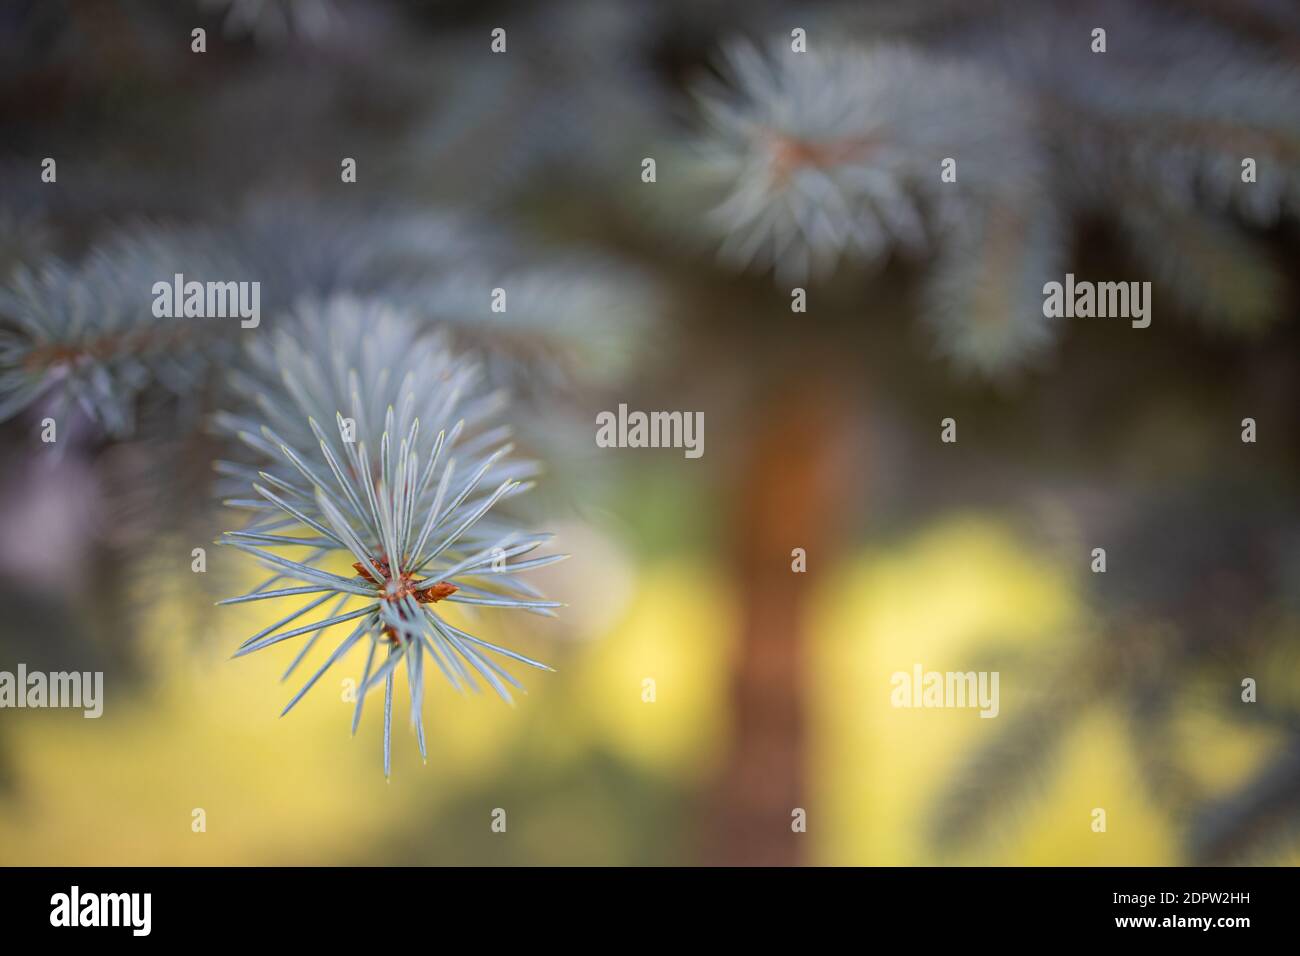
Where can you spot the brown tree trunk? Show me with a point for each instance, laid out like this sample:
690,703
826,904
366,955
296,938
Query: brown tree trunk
790,494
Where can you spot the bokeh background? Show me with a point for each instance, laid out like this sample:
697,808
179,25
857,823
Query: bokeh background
1120,691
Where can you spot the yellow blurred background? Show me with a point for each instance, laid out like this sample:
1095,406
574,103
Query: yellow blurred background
587,770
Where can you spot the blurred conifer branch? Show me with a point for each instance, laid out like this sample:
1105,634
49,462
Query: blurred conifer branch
820,158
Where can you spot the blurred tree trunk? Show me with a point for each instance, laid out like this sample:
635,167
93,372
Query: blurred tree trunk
789,494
